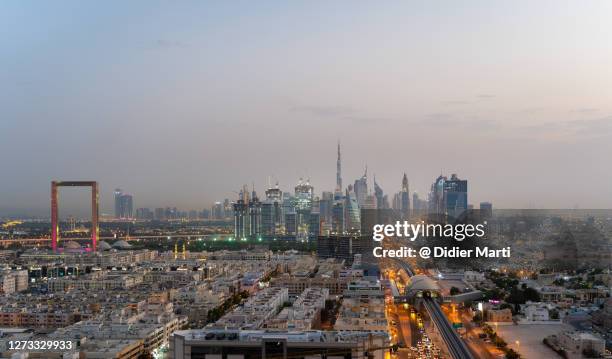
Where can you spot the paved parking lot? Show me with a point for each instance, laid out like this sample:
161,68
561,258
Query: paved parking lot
530,337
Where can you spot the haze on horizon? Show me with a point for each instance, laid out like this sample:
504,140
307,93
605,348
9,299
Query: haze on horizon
181,104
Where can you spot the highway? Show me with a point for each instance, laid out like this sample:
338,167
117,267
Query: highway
456,346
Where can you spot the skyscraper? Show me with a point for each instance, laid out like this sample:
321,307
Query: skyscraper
338,191
436,197
288,207
247,215
118,194
361,188
304,195
124,205
240,219
326,204
455,196
271,212
254,216
218,211
338,215
405,198
448,197
352,217
380,196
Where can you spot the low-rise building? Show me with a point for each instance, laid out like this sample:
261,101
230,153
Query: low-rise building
535,312
232,344
256,310
12,281
499,315
579,343
363,307
304,314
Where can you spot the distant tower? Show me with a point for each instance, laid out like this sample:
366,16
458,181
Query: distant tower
124,204
339,171
486,209
254,212
405,198
380,196
118,194
304,196
405,183
241,224
361,188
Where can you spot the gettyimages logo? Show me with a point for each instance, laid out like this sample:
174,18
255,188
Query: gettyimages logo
412,231
435,237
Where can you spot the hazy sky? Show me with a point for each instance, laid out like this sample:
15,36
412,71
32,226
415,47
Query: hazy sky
179,103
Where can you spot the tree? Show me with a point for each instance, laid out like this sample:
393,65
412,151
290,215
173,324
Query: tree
554,314
511,354
499,342
516,296
531,294
454,291
559,282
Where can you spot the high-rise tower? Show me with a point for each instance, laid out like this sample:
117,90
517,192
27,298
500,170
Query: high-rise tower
361,188
124,204
405,198
405,183
118,194
380,195
339,172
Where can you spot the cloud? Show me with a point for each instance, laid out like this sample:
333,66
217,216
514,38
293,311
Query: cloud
442,119
449,120
572,130
585,110
324,111
455,102
591,128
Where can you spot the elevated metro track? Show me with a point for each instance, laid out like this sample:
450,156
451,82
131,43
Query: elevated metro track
456,346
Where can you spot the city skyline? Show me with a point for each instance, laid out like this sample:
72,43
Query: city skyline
298,180
183,105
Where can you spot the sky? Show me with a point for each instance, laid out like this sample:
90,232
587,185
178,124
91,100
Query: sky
181,103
